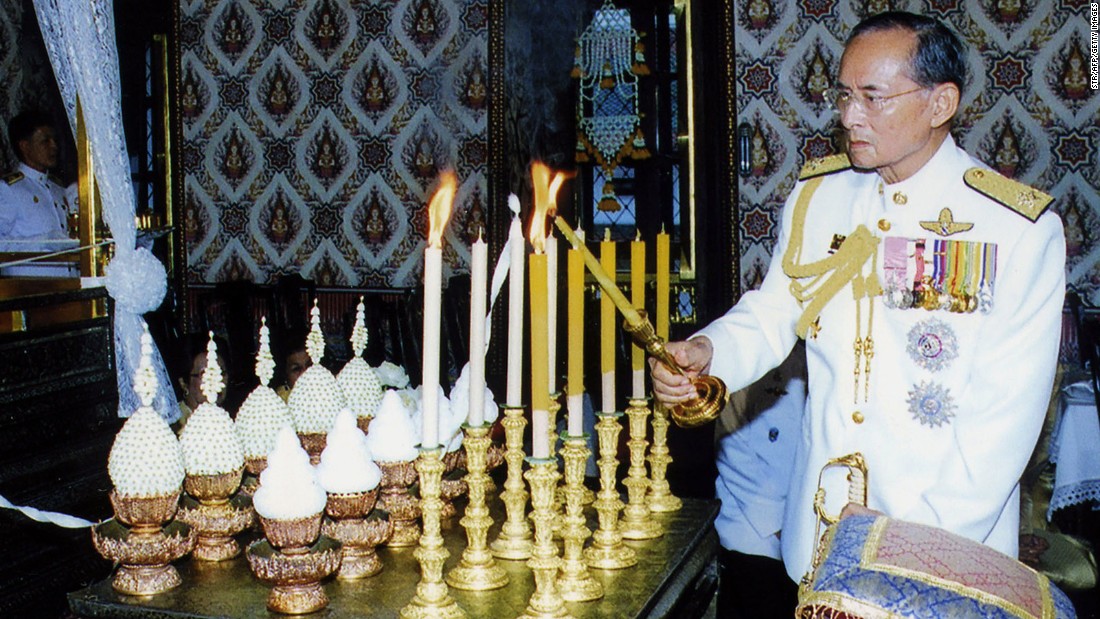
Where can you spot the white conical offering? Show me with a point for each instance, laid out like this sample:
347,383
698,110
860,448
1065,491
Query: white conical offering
358,380
263,412
288,486
346,464
392,436
145,459
460,406
447,427
392,375
209,440
316,396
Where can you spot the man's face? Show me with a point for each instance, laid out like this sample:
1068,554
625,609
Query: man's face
898,139
40,150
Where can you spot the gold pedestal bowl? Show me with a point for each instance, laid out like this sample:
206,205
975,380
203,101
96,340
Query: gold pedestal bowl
138,540
347,523
395,497
294,558
217,512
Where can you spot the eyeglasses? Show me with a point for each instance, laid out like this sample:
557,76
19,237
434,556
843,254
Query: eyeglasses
840,100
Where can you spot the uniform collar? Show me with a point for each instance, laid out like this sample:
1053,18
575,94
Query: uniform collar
932,176
29,172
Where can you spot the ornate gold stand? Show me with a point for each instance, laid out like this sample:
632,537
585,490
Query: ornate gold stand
514,541
477,571
143,540
608,552
575,582
347,523
294,558
395,499
638,522
660,499
545,603
217,513
432,600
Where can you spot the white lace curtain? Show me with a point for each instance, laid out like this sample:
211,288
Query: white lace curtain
80,40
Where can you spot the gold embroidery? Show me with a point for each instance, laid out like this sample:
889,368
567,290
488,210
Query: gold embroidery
946,225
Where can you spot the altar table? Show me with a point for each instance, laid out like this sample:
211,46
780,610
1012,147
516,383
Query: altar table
675,577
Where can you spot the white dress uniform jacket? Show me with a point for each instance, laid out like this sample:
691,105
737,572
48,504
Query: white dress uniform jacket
952,404
32,206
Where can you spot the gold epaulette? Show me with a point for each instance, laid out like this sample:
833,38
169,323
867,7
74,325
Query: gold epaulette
824,165
13,178
1027,201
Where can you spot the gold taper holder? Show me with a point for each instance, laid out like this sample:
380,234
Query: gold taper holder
346,522
559,492
432,599
217,512
659,497
712,391
143,540
576,583
608,552
514,541
477,571
397,500
638,522
545,603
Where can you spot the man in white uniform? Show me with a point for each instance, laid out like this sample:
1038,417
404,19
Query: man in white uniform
929,291
33,204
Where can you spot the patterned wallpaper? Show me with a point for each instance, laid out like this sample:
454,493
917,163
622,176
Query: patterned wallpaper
1027,112
314,130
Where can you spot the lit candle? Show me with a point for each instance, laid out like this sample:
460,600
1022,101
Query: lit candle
607,327
479,276
664,267
439,210
514,391
540,389
574,387
637,299
551,245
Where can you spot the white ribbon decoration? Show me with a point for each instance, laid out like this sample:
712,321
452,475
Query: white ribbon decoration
61,520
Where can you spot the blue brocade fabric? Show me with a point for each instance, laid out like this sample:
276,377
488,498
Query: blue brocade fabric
873,567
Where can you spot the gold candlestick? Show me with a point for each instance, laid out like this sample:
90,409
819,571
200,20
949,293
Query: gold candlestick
637,520
432,599
555,409
545,603
608,552
660,498
477,571
575,582
514,541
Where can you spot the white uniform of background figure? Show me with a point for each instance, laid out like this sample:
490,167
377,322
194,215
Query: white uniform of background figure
953,403
33,206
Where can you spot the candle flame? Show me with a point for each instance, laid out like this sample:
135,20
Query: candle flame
439,209
546,185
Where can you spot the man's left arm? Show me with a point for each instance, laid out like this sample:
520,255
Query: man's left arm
1005,401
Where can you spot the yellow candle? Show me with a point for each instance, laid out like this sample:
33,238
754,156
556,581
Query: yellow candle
663,269
607,327
637,299
552,310
540,387
631,315
574,387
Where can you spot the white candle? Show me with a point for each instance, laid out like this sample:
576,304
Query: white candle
514,392
479,273
433,280
552,307
439,210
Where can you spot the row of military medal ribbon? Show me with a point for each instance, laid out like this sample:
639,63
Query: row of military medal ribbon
941,274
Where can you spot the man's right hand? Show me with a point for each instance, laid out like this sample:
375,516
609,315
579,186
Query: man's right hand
694,356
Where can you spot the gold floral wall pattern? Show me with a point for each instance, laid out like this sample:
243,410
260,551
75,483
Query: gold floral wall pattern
313,133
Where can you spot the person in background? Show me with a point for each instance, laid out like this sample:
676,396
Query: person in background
293,361
191,363
757,435
33,203
929,291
